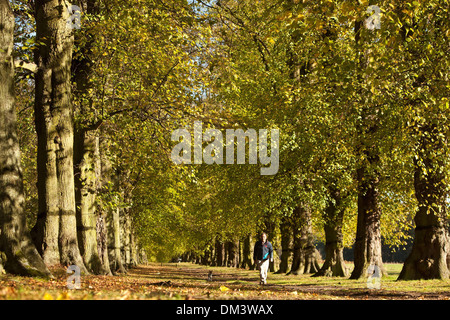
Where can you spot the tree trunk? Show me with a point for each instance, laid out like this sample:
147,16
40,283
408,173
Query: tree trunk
134,250
104,218
334,264
86,155
286,245
126,238
143,256
247,253
233,253
15,241
115,255
3,256
367,250
54,126
86,191
306,257
220,253
428,257
102,243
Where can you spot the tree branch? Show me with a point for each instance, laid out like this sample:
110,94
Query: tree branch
25,65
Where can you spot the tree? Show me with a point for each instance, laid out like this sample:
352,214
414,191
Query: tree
55,231
15,241
422,71
367,249
334,264
305,257
86,141
429,254
286,244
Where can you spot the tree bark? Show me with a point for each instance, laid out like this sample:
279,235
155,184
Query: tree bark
428,257
306,257
55,129
115,255
15,241
102,243
334,264
143,256
233,253
87,163
103,169
220,253
367,249
286,244
247,253
110,183
86,181
134,250
126,238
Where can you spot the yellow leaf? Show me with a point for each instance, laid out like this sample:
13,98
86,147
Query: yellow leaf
223,288
63,296
47,296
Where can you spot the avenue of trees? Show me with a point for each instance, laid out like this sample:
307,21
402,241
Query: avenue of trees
360,98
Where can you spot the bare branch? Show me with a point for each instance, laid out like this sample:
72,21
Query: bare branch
25,65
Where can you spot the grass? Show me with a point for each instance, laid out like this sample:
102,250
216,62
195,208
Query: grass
189,281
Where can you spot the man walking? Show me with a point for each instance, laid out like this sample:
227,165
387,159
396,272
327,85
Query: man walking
262,253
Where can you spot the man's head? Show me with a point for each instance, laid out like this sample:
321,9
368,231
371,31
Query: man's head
263,237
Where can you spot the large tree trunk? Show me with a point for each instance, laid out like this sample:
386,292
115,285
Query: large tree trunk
126,239
55,129
428,257
207,256
112,216
306,257
233,253
15,241
247,253
367,249
86,181
286,244
134,250
334,264
87,162
220,253
103,172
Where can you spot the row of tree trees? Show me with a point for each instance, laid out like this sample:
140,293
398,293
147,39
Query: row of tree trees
362,113
93,97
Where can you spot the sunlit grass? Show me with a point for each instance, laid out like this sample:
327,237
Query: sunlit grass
388,282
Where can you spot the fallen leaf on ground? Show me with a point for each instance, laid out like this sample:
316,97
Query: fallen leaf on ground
7,291
63,296
47,296
124,294
224,289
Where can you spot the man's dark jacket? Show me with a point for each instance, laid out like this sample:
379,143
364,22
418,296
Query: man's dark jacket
262,251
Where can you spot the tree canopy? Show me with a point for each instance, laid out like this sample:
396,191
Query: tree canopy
359,95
